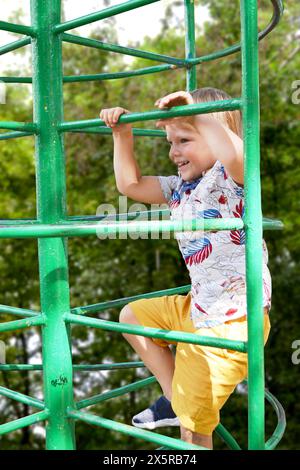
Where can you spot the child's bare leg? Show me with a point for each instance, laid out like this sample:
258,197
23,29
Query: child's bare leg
159,360
196,438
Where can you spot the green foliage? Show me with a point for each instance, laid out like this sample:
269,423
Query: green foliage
107,269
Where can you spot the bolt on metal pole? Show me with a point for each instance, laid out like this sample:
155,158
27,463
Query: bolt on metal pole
51,207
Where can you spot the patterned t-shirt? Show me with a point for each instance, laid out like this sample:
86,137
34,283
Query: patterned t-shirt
215,259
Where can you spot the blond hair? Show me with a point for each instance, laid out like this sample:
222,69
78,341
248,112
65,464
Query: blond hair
232,119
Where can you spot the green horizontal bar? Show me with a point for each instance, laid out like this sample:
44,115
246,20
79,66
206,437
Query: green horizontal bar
149,216
76,367
115,393
133,431
70,38
17,28
14,45
115,366
118,75
18,311
167,335
146,215
136,132
20,324
17,222
14,135
22,398
216,55
18,126
100,15
14,367
272,224
281,425
176,111
16,79
23,422
99,76
133,227
125,300
92,130
68,229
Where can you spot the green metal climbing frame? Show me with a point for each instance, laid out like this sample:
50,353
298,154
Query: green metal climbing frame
53,225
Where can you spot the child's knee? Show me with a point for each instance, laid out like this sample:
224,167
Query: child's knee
127,315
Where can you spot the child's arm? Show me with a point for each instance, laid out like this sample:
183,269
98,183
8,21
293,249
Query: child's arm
129,180
226,146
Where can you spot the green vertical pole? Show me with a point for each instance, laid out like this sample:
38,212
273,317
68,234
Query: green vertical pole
51,207
253,221
190,43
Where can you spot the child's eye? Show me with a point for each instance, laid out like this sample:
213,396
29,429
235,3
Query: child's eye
183,141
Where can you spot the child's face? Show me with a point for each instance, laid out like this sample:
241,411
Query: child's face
188,150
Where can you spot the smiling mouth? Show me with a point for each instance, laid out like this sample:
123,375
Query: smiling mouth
180,165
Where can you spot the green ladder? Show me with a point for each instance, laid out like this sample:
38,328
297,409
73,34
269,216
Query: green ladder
53,225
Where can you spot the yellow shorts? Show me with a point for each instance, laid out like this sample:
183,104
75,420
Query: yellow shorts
204,376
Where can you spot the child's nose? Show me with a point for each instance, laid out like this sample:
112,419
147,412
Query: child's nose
173,151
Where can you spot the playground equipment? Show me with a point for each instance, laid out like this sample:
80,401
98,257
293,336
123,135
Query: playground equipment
53,225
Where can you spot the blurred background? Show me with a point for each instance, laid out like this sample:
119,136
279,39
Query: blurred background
102,270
